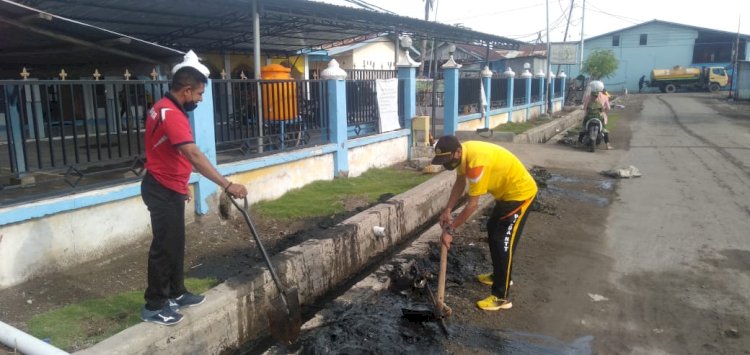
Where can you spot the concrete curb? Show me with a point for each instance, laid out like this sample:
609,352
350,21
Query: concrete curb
543,133
235,311
540,134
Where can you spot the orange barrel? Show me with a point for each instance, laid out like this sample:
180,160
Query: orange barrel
279,98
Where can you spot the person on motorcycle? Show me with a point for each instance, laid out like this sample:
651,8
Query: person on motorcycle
596,105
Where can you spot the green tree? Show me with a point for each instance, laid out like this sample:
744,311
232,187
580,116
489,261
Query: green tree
600,64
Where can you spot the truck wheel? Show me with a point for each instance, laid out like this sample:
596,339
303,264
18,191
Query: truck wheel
714,87
670,88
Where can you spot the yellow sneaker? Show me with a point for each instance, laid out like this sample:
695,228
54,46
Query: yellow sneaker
485,278
488,280
493,303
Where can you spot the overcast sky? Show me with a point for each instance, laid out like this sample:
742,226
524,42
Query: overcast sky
523,20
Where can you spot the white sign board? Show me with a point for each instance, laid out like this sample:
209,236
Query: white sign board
387,91
563,53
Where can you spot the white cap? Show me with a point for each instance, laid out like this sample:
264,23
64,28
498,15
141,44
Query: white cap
192,60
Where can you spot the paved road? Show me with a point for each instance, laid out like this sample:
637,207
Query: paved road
680,235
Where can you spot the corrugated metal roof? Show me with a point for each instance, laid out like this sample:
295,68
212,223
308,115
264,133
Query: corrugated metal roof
287,26
31,37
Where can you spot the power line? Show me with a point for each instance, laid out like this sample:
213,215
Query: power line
504,11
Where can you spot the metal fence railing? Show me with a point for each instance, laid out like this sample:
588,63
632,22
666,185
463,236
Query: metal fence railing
362,107
519,91
535,90
294,115
370,74
73,131
469,95
559,82
424,95
498,93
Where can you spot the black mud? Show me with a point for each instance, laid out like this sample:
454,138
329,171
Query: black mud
378,327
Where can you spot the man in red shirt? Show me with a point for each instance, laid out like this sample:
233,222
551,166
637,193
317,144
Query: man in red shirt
171,155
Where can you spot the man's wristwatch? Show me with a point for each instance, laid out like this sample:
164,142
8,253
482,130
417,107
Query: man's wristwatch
448,229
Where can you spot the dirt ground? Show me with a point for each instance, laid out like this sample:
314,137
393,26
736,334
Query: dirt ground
215,248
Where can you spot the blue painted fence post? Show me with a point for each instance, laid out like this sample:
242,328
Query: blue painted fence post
562,76
408,74
510,75
336,91
527,75
450,102
552,92
486,74
540,76
202,122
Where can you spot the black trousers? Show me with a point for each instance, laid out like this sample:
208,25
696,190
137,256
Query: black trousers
166,257
504,229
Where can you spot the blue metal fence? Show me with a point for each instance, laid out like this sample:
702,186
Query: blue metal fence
469,95
72,131
519,91
362,107
499,93
294,116
535,90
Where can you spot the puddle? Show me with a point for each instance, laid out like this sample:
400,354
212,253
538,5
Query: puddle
608,185
563,186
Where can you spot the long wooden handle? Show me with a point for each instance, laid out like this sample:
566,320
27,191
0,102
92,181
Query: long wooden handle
441,276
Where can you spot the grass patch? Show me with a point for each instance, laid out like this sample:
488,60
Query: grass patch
520,127
84,324
323,198
612,118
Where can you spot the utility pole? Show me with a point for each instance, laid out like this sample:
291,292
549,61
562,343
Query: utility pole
567,26
583,14
736,59
549,66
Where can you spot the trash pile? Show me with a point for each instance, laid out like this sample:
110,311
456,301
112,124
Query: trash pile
623,173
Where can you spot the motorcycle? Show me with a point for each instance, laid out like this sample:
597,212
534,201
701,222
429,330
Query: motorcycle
593,133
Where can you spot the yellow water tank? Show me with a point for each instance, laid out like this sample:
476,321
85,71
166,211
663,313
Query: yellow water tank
676,73
279,97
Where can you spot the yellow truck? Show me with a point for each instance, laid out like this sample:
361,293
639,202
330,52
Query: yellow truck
706,78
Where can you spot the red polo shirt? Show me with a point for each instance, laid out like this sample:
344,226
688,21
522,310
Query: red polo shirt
168,127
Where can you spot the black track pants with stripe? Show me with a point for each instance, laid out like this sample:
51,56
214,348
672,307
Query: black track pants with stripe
504,229
166,255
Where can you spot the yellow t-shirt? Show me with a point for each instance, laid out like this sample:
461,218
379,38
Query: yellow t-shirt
490,168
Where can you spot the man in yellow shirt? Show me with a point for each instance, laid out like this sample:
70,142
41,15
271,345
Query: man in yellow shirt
488,168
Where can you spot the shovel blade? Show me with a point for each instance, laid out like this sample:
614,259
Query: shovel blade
285,318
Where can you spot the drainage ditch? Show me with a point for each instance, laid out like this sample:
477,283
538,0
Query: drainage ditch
374,324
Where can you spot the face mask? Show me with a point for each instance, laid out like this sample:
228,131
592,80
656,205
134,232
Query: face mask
190,106
453,164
